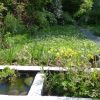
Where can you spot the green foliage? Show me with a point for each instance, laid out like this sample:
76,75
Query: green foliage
85,8
2,8
24,56
3,40
53,46
43,15
9,4
13,25
7,1
40,4
41,19
36,11
67,18
37,14
49,12
57,8
45,18
20,10
51,18
33,29
96,6
76,82
7,74
8,55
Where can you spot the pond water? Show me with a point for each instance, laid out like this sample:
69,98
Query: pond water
20,86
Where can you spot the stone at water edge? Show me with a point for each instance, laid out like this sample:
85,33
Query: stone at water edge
23,93
13,92
28,81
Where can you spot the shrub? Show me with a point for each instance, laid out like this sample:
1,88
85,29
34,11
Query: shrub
12,24
76,82
57,8
41,19
3,40
51,18
2,9
84,12
7,74
85,7
9,4
24,56
33,29
67,18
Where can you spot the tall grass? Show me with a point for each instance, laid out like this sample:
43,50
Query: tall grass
53,46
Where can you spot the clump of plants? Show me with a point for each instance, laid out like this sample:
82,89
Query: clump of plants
13,24
74,57
76,82
24,56
7,75
53,46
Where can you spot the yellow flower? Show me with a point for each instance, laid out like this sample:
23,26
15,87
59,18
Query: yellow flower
69,49
51,50
62,51
70,52
58,54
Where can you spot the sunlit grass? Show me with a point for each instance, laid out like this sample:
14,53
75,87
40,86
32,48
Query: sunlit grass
42,47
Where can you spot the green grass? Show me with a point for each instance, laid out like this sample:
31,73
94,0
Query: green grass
53,46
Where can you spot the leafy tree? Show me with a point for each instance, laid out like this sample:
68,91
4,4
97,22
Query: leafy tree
85,8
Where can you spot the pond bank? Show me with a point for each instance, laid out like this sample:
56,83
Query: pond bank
89,35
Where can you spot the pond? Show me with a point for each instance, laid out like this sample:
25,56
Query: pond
20,86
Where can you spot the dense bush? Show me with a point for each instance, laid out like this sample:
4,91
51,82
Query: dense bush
85,7
2,9
47,12
7,74
68,19
76,82
12,24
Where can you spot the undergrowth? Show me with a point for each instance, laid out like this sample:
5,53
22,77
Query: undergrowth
51,46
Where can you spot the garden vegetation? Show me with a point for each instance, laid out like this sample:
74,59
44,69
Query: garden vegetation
76,82
45,33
